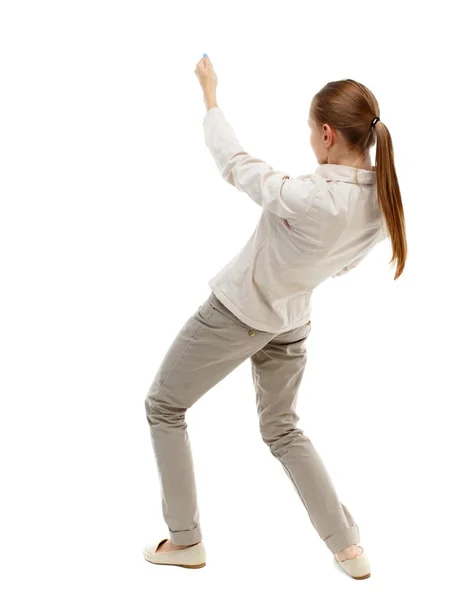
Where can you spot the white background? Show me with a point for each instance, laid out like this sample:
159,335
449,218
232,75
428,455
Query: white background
113,219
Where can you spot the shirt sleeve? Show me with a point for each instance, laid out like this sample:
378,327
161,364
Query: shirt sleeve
383,233
352,264
273,190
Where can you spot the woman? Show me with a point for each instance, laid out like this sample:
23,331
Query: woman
311,227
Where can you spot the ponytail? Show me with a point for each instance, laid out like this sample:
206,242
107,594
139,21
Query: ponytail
389,197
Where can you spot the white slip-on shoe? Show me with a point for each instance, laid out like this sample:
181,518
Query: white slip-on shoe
192,557
357,567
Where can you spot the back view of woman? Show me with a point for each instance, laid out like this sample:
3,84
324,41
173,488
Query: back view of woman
311,228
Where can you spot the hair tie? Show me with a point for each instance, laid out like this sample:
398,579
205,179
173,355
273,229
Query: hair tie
374,121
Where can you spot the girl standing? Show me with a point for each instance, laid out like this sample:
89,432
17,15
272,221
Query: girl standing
312,227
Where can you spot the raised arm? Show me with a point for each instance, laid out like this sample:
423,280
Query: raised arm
273,190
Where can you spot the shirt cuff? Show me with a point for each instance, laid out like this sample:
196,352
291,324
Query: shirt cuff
214,110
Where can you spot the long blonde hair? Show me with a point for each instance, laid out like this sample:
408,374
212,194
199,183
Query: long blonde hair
350,107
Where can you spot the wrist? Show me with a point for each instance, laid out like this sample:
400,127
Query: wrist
210,99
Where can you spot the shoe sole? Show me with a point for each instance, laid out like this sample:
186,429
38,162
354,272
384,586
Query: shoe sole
177,565
362,577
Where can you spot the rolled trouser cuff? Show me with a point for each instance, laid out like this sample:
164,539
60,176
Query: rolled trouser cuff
186,537
342,539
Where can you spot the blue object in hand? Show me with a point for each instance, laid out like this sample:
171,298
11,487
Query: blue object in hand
204,55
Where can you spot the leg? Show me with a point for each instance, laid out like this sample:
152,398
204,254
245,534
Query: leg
211,344
277,372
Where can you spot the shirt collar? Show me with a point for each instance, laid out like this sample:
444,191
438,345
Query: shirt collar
333,172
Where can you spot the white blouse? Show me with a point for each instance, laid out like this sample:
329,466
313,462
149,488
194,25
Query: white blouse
312,227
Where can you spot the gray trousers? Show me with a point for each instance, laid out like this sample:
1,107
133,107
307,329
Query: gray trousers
210,345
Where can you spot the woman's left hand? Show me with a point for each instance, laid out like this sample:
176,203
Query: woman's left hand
206,75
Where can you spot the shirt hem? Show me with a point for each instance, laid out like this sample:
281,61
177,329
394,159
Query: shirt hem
248,320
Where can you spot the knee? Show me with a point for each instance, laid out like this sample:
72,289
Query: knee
150,405
273,430
271,435
159,410
154,407
279,438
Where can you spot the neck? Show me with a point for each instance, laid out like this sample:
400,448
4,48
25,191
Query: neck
353,161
